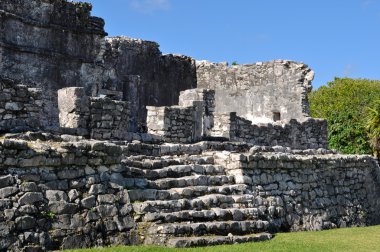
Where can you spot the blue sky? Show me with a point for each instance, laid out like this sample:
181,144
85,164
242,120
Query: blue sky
334,37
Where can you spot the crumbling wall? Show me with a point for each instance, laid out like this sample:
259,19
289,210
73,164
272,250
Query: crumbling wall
47,42
20,107
54,198
109,118
206,100
58,44
259,91
308,191
191,121
97,117
71,195
123,57
174,124
308,134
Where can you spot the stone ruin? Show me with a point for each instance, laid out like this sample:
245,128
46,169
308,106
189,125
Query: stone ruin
106,141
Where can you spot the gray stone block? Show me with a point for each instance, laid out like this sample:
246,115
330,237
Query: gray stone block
89,202
30,198
8,191
61,207
6,181
25,222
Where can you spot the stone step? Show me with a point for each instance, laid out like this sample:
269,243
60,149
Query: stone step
177,171
195,180
213,214
201,203
152,163
187,192
186,242
181,229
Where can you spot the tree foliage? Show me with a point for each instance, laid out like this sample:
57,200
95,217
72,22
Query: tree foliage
344,103
373,128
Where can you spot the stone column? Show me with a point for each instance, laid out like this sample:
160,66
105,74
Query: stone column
73,105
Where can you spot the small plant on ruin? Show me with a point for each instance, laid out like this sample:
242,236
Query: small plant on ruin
50,215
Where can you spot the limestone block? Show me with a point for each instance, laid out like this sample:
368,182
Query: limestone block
30,198
89,202
25,222
6,181
73,105
61,207
8,191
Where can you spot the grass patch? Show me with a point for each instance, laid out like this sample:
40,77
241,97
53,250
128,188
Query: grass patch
346,239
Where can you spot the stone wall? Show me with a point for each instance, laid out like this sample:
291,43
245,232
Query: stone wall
173,124
57,44
20,107
258,91
47,42
299,191
109,118
206,98
191,121
308,134
97,117
61,197
123,57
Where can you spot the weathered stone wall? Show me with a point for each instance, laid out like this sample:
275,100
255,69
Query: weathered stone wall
47,42
123,57
191,121
258,91
61,197
206,100
109,118
97,117
308,134
174,124
57,44
309,192
20,107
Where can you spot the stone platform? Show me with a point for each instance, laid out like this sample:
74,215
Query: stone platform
56,193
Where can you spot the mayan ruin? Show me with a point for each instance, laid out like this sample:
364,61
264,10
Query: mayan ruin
107,141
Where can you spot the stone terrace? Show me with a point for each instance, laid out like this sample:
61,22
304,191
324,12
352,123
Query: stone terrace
63,192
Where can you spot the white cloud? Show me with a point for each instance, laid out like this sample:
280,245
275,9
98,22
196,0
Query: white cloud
149,6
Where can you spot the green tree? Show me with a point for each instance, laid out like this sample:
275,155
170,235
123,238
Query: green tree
373,129
344,103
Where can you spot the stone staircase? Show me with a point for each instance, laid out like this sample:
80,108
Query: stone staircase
188,200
